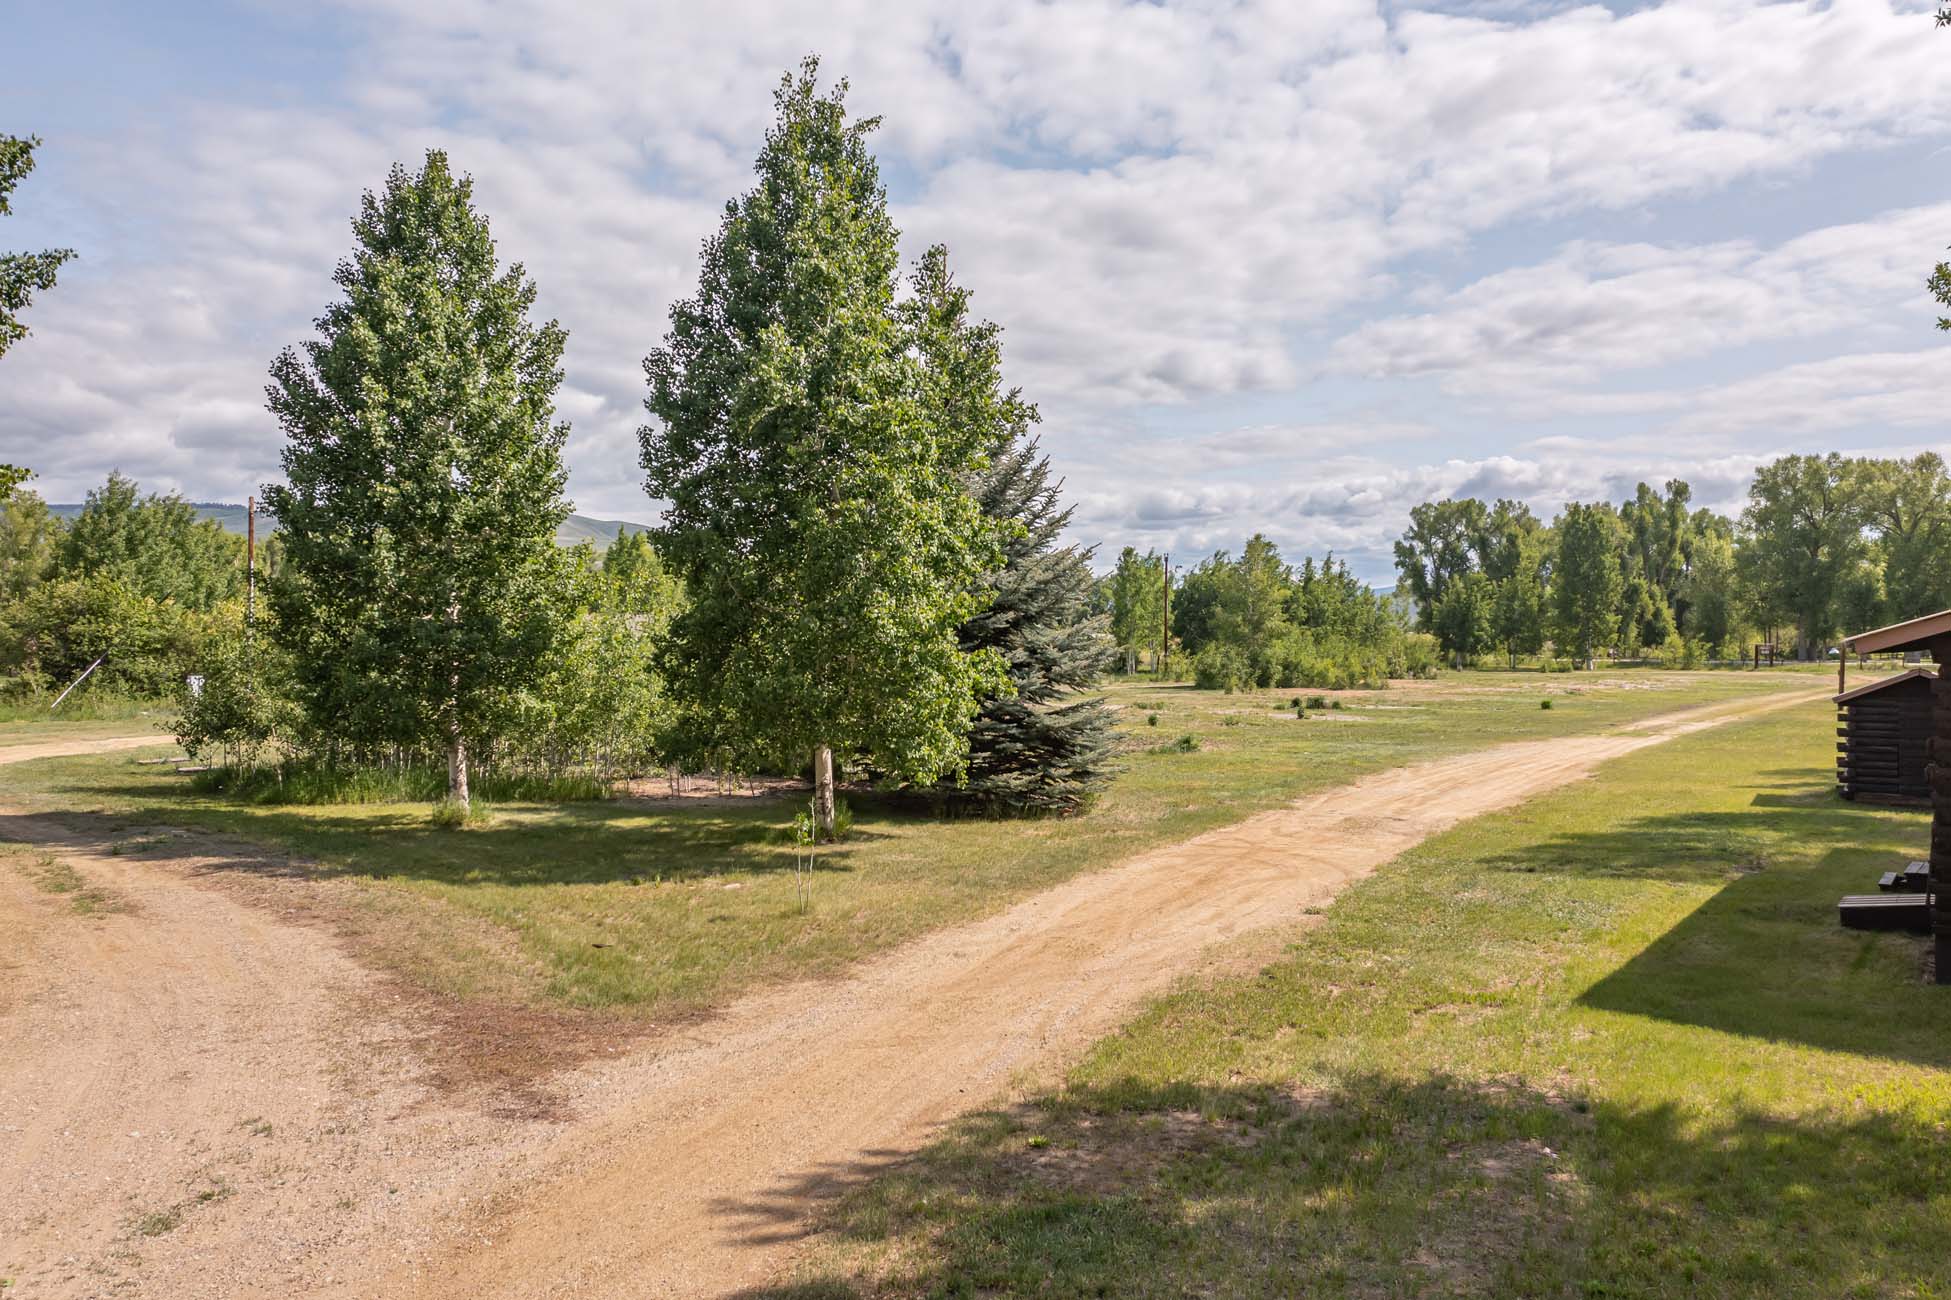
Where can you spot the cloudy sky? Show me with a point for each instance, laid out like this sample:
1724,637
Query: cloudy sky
1278,265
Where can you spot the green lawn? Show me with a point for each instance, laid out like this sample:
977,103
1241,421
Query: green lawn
654,907
1611,1043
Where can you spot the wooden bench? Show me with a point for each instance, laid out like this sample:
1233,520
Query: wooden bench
1910,912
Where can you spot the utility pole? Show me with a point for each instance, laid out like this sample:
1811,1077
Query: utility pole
1165,624
250,564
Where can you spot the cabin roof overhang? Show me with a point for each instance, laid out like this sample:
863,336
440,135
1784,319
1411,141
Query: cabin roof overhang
1916,634
1884,684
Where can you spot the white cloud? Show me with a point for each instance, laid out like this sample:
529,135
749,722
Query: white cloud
1604,309
1161,203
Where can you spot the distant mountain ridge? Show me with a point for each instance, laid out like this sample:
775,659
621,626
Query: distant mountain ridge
576,528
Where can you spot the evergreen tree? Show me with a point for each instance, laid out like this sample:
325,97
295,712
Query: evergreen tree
422,586
1039,747
1033,746
821,515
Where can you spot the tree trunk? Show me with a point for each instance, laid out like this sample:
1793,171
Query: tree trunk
457,766
823,791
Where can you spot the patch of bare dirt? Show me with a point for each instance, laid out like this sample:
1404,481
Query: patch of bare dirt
65,748
710,790
208,1094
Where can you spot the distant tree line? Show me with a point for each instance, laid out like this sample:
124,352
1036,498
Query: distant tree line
1825,545
1258,621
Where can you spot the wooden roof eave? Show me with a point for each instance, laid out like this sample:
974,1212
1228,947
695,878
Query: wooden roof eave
1884,683
1915,634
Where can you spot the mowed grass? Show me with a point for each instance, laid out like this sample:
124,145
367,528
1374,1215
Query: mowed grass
1611,1043
652,906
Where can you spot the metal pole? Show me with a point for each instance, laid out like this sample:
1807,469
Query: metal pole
1165,624
76,682
250,564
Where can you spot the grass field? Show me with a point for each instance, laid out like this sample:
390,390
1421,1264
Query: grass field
1611,1043
659,906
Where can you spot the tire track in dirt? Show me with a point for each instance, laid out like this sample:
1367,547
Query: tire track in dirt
200,1096
713,1154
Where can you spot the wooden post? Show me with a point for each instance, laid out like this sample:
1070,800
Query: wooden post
1938,773
1842,668
250,565
1165,624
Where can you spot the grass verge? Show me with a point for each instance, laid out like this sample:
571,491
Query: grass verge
663,906
1610,1043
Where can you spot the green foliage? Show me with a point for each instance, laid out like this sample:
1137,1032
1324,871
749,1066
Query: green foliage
1137,591
422,589
155,546
1587,584
1800,535
1908,504
1264,623
28,538
818,472
1443,542
237,702
1464,619
1044,744
22,275
316,782
50,636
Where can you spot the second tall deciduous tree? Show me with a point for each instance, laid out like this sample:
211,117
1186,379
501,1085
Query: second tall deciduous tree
820,510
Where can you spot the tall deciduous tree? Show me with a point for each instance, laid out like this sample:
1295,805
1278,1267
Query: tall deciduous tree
1137,599
1463,620
820,511
1518,613
1801,533
22,275
422,583
1443,543
1908,504
1586,584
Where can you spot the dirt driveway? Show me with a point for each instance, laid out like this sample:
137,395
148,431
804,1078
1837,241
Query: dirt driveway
146,1050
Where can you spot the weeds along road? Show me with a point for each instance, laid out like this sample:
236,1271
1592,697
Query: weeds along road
692,1164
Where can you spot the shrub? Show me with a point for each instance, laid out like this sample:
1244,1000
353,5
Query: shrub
1544,704
1186,744
1151,719
1317,701
1220,667
1229,721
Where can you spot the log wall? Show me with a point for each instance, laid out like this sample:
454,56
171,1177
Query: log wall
1940,782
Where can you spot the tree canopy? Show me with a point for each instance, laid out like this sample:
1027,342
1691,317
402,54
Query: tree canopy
422,587
22,275
818,473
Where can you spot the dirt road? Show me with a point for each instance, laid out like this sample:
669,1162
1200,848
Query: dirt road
63,748
695,1186
197,1044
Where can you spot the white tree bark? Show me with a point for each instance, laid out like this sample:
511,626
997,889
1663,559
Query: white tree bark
823,791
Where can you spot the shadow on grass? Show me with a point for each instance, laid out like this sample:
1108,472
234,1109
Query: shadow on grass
525,844
1764,956
1375,1186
